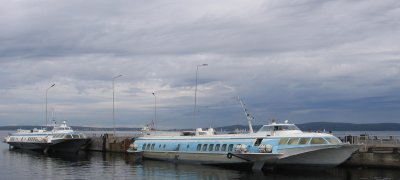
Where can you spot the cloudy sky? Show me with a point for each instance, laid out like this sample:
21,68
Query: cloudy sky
303,60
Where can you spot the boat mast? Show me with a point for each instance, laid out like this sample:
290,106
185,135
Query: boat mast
249,119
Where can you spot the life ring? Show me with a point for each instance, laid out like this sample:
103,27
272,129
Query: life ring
229,155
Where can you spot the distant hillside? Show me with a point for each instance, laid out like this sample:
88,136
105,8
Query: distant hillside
79,128
328,126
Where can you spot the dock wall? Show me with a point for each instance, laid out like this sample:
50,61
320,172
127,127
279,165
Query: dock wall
373,159
108,143
374,151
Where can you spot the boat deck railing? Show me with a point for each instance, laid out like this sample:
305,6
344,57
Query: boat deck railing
371,139
374,143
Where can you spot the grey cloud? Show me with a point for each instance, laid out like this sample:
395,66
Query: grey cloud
295,60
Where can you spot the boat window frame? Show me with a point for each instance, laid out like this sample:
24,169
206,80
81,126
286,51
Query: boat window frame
223,147
204,147
282,142
211,147
258,141
144,146
295,141
230,147
301,142
320,138
199,147
335,140
217,147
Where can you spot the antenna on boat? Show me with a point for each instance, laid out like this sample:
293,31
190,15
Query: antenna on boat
249,118
53,114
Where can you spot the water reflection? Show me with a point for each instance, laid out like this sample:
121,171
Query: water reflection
22,164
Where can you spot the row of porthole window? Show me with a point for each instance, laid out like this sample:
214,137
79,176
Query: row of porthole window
67,136
33,139
21,139
200,147
307,140
150,146
218,147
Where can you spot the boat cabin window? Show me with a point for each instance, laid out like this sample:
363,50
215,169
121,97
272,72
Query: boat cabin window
164,146
258,141
144,147
211,147
318,141
217,147
148,147
152,146
198,147
293,141
159,146
304,140
223,147
283,141
333,140
179,146
187,147
230,147
284,127
205,147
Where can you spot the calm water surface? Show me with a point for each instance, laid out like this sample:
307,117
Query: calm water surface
21,164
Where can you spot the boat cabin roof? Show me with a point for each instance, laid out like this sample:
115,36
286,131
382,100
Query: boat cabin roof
278,127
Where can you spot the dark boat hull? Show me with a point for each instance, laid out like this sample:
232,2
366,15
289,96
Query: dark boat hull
64,145
69,145
29,145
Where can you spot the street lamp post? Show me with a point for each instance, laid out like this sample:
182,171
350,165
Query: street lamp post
155,111
113,82
195,93
46,103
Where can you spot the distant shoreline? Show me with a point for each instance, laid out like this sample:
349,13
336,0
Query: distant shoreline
313,126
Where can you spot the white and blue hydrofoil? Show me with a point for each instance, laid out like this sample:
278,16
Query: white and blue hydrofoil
204,147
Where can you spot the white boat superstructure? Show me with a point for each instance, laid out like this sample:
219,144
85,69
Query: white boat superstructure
61,138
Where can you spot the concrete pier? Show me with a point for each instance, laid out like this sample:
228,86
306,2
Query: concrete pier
374,151
373,159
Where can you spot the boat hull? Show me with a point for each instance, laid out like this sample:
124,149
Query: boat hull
211,158
68,145
29,145
321,156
